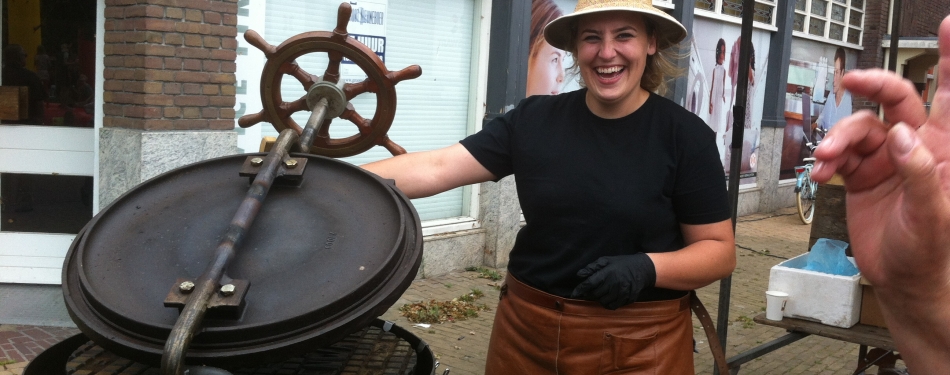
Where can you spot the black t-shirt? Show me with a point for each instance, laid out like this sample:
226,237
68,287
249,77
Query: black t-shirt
592,187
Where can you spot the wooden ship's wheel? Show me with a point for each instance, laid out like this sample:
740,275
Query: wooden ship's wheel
281,60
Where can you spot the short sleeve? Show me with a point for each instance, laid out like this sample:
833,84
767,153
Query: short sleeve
492,146
700,195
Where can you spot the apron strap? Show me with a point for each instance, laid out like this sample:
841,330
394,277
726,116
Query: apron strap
719,355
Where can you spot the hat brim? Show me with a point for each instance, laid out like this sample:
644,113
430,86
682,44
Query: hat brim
559,32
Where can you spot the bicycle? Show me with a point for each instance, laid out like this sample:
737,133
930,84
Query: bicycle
805,187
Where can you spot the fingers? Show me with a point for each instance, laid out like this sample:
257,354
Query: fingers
924,199
854,141
897,96
610,295
588,288
615,297
581,290
595,266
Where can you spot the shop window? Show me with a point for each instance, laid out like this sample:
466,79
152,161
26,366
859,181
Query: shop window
732,7
433,111
46,143
816,27
856,18
818,7
800,5
836,32
763,13
45,203
709,5
854,36
798,22
837,12
49,47
837,21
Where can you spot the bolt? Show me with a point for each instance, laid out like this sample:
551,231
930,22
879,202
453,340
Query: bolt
257,162
227,289
290,163
186,286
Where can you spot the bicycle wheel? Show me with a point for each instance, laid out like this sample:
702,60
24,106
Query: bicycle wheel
806,200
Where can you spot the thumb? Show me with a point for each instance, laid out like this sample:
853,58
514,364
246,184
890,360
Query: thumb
916,164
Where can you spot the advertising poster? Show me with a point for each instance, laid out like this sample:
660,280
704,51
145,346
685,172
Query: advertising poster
549,68
712,81
814,98
367,25
712,77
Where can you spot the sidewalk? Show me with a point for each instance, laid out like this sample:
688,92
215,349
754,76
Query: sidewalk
763,240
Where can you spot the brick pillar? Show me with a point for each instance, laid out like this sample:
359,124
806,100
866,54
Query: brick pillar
169,89
875,28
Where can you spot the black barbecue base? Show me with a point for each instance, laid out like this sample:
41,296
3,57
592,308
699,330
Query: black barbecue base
370,351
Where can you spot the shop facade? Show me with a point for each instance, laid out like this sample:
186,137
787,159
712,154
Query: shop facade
170,79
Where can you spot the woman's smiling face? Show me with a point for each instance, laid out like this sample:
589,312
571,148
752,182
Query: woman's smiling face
612,50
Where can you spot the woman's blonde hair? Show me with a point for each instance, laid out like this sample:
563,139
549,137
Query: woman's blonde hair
660,67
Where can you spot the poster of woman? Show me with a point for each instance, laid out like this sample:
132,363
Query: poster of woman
549,68
712,80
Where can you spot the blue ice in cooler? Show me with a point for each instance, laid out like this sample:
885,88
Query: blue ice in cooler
828,256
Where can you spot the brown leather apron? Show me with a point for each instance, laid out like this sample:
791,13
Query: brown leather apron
539,333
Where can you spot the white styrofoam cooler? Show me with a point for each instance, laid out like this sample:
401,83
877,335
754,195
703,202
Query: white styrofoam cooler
831,299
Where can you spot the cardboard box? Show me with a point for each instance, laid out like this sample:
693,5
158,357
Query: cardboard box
870,311
14,103
830,299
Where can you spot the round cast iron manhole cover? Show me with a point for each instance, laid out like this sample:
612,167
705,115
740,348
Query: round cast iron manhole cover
322,259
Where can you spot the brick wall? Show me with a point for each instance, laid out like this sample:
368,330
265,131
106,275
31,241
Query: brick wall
875,26
920,18
169,64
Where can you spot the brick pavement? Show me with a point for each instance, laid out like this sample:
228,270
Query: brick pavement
763,240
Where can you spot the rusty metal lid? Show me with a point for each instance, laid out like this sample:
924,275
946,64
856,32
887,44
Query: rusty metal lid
323,260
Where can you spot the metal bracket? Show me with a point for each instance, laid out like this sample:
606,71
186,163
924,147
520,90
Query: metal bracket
220,306
290,172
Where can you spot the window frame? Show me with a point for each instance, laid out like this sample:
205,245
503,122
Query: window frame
477,94
718,13
829,21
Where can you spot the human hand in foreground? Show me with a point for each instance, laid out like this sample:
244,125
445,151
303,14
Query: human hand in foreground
897,179
617,280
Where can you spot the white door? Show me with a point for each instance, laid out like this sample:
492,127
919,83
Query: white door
47,164
46,199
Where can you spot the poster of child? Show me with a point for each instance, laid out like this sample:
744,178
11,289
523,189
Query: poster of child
815,98
838,106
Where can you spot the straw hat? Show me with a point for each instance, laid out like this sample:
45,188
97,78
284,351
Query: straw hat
559,32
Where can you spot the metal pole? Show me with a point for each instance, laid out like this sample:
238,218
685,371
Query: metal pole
895,36
738,130
189,322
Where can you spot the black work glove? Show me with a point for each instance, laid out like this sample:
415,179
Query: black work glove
616,281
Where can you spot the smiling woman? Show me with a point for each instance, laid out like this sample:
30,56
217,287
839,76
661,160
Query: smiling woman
612,52
623,197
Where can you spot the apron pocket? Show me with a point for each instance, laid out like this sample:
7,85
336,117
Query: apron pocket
629,355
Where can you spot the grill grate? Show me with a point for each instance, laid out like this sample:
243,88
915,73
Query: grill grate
370,351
